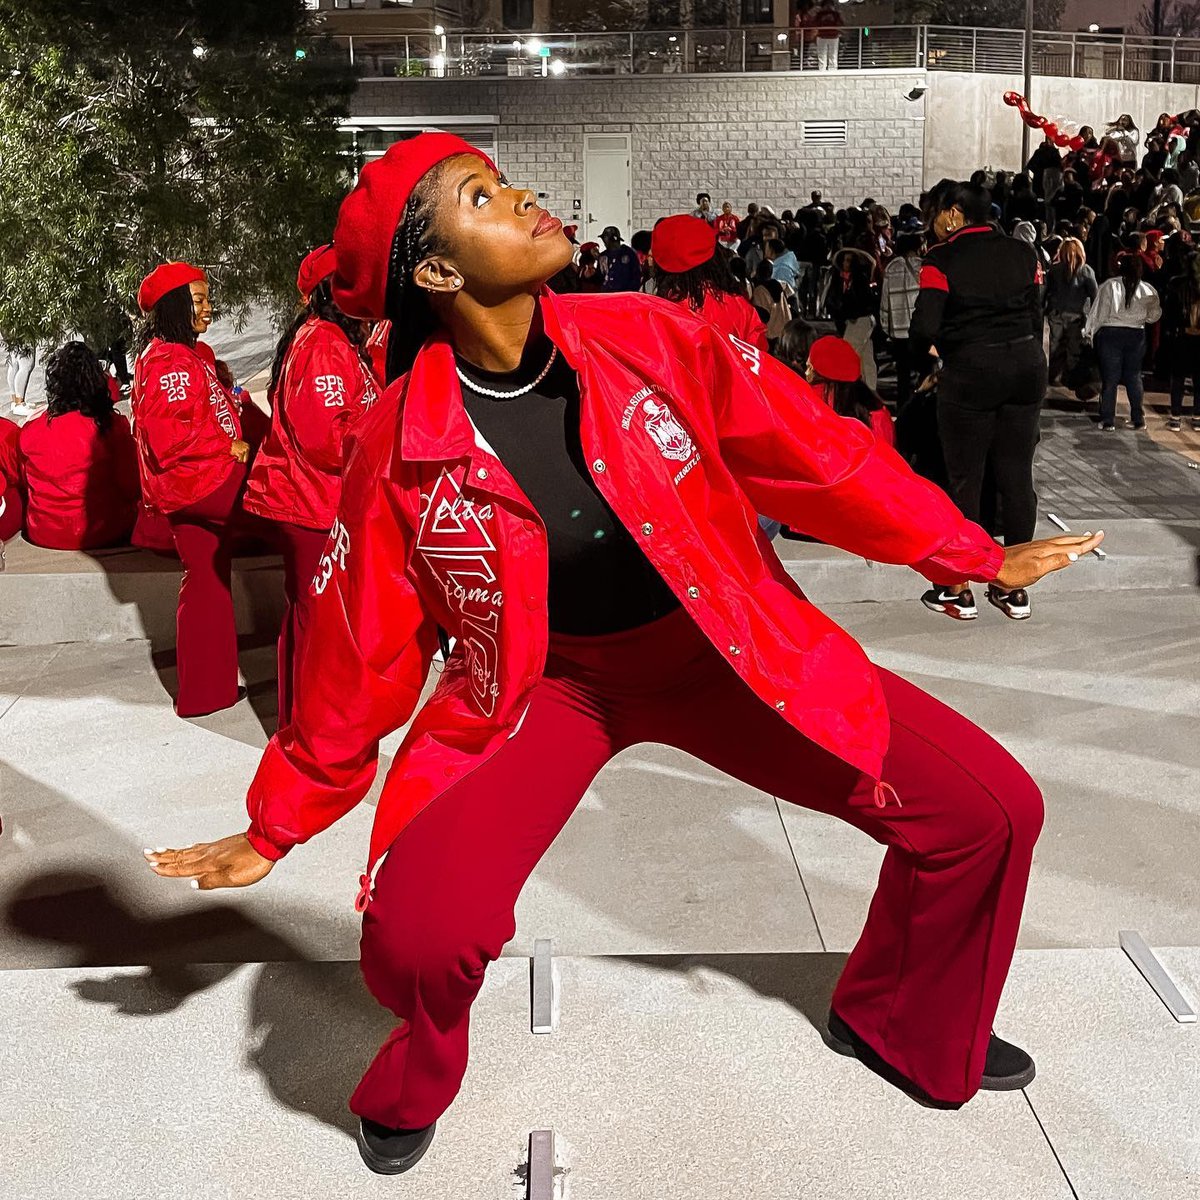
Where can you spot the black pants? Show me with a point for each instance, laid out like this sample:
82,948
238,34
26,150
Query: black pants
989,406
908,361
1185,361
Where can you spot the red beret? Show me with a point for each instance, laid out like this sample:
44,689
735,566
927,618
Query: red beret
367,220
682,243
835,359
166,277
316,265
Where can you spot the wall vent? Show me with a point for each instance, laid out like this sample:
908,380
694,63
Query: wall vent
825,133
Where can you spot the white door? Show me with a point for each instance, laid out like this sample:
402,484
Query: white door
606,185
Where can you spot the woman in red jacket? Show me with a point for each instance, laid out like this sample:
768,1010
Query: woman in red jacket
12,509
78,459
321,382
192,459
692,270
567,486
835,370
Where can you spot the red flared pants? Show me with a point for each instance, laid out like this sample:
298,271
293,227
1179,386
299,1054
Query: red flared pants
302,550
205,632
921,987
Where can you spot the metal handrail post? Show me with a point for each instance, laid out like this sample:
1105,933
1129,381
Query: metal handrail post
350,40
630,53
1172,79
407,55
743,51
974,49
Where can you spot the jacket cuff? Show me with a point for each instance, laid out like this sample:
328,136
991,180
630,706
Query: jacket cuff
971,554
266,848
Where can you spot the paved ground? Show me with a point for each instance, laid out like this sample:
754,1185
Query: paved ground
701,925
162,1043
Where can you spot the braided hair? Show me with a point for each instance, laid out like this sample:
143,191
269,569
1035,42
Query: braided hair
407,305
320,304
170,320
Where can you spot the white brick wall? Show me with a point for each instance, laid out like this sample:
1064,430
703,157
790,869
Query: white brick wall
736,136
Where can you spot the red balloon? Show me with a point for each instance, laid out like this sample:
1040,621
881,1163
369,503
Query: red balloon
1032,119
1076,143
1061,140
1014,99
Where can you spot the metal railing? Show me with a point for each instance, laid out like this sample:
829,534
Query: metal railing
762,48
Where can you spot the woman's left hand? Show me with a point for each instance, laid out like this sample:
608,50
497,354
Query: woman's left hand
1026,564
239,449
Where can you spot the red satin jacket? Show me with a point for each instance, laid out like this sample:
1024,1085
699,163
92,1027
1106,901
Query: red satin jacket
81,485
736,315
690,434
324,387
183,421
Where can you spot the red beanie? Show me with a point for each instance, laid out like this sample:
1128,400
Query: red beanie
166,277
835,359
316,265
682,243
367,220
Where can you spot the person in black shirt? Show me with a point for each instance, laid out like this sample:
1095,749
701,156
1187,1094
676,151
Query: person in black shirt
980,303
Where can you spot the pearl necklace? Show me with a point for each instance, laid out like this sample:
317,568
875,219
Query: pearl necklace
475,387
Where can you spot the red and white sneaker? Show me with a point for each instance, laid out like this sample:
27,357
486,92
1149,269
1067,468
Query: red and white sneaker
959,605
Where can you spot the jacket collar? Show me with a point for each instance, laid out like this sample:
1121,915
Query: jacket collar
966,229
434,425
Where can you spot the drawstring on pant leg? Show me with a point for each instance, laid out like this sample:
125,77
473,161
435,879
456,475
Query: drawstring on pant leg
882,792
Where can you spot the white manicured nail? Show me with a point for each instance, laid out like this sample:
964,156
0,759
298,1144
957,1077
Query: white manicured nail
196,883
147,851
1073,556
160,849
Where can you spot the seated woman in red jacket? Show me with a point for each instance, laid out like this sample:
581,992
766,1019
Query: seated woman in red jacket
568,487
12,508
321,383
692,270
78,459
192,459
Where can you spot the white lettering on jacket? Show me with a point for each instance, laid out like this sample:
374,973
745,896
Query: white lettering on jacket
751,355
175,384
336,550
462,557
332,389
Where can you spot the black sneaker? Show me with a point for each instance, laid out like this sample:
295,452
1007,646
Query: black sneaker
1014,604
392,1151
1174,424
959,605
1108,429
1135,425
1196,424
1007,1068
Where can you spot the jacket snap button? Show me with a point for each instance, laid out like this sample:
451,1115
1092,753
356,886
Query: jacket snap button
694,593
647,529
779,705
482,472
599,466
735,650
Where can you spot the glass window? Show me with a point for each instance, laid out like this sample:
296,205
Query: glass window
517,14
758,12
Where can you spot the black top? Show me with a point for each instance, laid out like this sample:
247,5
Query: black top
978,288
600,581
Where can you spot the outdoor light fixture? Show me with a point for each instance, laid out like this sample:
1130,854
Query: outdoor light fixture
517,44
672,38
438,30
781,37
199,51
1093,29
558,67
534,47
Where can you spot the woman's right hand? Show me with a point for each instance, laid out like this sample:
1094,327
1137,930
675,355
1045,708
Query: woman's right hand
231,862
239,449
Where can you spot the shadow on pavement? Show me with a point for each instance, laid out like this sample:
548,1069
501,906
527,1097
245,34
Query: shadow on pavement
312,1027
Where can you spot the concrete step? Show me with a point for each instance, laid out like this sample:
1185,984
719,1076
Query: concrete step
54,596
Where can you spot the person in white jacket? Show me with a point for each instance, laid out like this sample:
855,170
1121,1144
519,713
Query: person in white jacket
1116,325
1127,136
